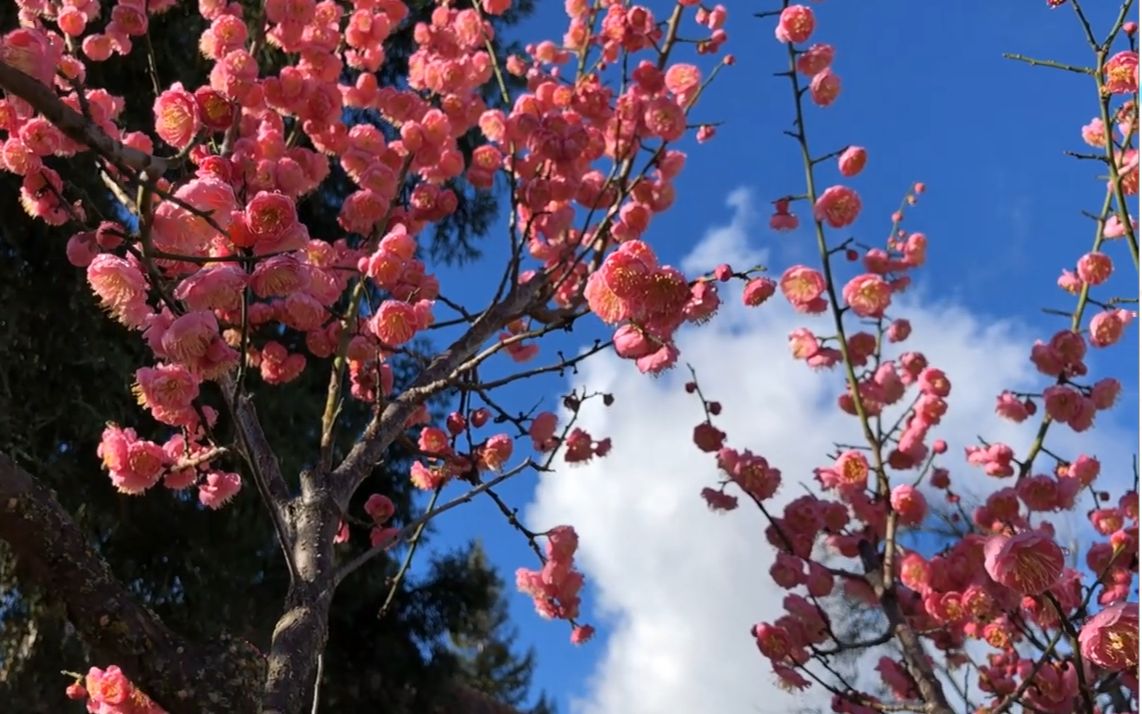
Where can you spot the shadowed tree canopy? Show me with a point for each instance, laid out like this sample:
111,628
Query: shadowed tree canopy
443,645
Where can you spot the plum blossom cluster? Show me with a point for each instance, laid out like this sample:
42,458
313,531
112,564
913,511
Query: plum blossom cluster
108,691
552,143
440,462
795,25
223,265
650,302
1068,401
135,464
1001,583
555,588
222,269
218,273
881,383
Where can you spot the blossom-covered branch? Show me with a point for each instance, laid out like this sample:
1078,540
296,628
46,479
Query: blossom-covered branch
15,82
997,577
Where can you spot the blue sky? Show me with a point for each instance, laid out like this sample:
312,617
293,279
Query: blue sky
928,93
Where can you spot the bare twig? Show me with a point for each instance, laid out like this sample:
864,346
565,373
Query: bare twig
411,528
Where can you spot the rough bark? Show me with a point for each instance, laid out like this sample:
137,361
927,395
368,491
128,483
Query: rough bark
303,629
180,675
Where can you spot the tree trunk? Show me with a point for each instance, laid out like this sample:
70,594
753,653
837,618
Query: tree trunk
301,632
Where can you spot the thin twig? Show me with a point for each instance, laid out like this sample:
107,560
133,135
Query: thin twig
409,529
394,585
1048,63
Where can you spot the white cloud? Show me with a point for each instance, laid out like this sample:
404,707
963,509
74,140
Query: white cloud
678,587
729,243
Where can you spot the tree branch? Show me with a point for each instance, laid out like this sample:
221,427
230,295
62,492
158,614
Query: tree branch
182,676
919,667
1048,63
388,423
262,453
264,465
413,527
75,126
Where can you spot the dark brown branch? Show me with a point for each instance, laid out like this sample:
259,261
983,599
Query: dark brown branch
438,375
263,464
246,418
75,126
181,676
915,657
